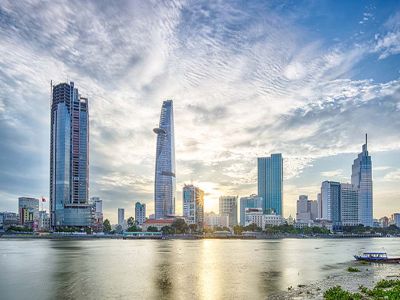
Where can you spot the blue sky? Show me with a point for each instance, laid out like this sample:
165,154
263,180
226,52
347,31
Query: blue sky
248,78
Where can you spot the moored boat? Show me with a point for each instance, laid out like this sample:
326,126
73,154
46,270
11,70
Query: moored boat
378,257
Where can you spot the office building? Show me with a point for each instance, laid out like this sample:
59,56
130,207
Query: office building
28,209
193,205
69,159
252,201
165,181
97,214
349,205
384,222
121,217
270,183
331,205
140,213
228,207
361,178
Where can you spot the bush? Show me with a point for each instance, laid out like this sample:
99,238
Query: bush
353,270
337,293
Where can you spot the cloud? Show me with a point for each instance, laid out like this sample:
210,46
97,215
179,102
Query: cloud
334,173
247,80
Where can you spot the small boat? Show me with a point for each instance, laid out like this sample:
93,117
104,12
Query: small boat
378,257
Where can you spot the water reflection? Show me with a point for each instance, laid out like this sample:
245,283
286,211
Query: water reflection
172,269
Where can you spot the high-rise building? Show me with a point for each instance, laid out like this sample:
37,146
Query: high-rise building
193,205
319,204
228,207
121,217
69,157
28,209
331,205
396,219
165,181
252,201
140,213
44,220
349,204
361,178
270,183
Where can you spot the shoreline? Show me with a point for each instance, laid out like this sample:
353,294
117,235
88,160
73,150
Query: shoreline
369,274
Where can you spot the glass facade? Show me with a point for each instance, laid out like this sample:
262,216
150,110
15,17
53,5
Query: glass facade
165,181
349,204
361,178
193,205
331,203
270,183
69,164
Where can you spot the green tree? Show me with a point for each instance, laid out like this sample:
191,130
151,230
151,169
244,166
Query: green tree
130,221
106,226
152,229
193,228
134,228
167,230
180,226
238,229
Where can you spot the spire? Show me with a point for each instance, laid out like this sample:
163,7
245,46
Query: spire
366,140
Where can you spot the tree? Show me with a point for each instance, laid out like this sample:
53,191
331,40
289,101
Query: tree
119,229
180,226
193,228
106,226
167,230
237,229
130,221
134,228
152,229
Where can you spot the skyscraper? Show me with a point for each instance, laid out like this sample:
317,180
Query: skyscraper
270,183
252,201
228,207
193,205
164,185
140,213
121,217
361,178
69,159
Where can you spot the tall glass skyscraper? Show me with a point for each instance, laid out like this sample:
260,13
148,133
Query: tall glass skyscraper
361,178
270,183
69,159
165,185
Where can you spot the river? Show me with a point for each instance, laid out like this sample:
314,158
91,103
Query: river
172,269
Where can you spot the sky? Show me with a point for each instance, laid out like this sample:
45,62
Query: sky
306,79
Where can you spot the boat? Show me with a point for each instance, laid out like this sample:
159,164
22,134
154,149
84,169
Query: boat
377,257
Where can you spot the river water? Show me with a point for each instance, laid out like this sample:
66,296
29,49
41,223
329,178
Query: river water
172,269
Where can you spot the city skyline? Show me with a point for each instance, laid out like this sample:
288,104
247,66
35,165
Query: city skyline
265,82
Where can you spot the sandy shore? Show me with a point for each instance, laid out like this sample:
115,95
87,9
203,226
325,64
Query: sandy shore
368,276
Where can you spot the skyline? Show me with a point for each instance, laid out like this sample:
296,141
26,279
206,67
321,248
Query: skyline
242,88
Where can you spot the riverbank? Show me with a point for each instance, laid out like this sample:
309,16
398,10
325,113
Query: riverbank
368,275
180,236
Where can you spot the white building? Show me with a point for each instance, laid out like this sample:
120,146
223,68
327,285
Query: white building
256,216
140,213
44,220
211,219
306,209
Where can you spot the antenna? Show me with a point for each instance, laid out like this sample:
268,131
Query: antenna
366,139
